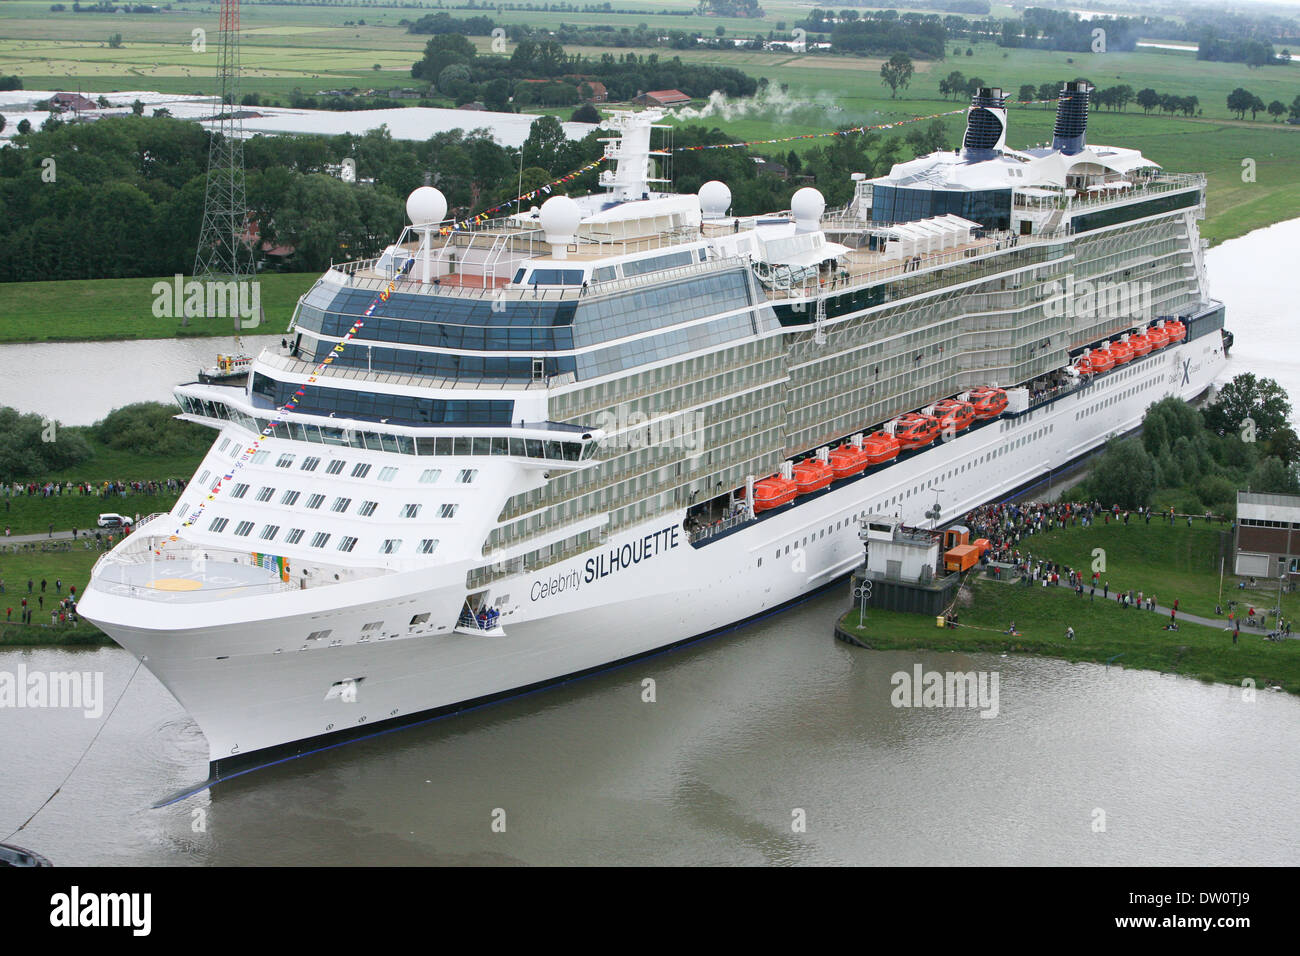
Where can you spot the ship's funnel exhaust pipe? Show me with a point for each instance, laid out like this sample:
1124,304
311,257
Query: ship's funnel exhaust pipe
986,125
1070,134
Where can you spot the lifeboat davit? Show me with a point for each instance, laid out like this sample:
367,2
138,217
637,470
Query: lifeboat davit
847,460
1158,337
1102,360
915,430
880,448
988,402
1141,343
954,415
1122,352
1177,331
812,475
773,493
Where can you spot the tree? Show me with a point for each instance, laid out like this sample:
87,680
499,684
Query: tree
24,126
1294,109
1148,99
974,85
895,72
115,41
1276,109
1027,93
440,52
377,67
1239,101
1256,106
138,107
451,77
2,123
1272,476
1047,93
586,113
1262,401
1125,475
953,83
162,111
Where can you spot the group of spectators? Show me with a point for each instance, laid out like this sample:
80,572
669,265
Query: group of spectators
1007,526
102,489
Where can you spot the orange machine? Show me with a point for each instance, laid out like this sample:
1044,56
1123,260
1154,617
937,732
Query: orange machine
961,558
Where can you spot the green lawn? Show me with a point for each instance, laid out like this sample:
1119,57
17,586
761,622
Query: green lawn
114,309
73,567
1174,562
34,515
1103,633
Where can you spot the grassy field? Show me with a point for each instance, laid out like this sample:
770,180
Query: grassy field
1171,561
34,515
116,309
73,568
1103,634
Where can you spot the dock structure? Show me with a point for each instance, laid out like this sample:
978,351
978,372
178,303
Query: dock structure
902,568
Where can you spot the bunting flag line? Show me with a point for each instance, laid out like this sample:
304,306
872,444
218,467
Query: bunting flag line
277,418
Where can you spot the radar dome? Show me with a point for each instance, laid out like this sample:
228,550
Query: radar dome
715,199
560,219
426,206
807,205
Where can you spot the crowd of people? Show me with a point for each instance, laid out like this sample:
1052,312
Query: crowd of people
1008,526
62,607
102,489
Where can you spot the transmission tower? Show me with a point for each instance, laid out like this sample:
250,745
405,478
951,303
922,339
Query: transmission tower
224,251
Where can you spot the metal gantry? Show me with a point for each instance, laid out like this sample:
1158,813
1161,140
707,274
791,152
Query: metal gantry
225,248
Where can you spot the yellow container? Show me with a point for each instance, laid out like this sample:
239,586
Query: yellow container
938,621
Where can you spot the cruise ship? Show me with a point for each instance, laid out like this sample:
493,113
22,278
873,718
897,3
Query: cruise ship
526,448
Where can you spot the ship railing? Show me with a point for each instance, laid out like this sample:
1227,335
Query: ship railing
704,532
992,243
536,293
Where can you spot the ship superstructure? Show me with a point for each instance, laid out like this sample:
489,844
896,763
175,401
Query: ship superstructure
614,423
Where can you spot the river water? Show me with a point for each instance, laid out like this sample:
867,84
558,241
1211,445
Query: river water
749,733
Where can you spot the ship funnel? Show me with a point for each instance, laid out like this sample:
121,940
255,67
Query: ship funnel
1069,136
986,125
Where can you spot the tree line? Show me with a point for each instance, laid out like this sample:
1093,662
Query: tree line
127,194
1242,440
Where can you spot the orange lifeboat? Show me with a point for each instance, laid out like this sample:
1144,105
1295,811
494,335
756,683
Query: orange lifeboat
988,402
847,460
1158,337
1141,343
1177,331
1084,366
954,414
812,475
773,492
1102,360
880,448
1122,351
915,430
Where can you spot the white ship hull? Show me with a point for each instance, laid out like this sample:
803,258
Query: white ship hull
256,698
